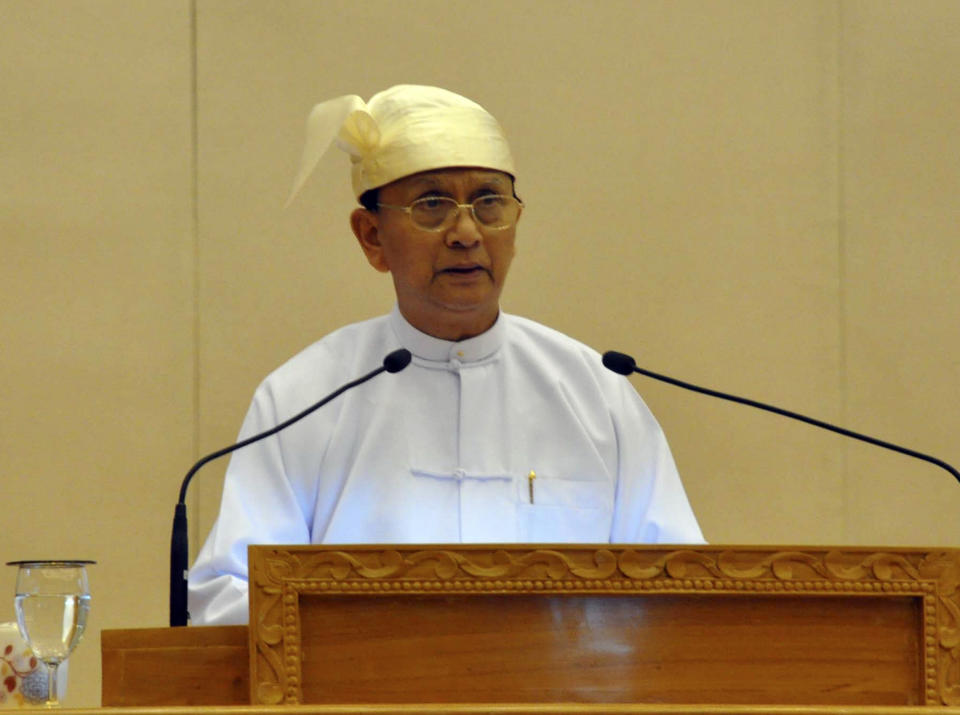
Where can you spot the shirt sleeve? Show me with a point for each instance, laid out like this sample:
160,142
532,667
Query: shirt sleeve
259,505
651,504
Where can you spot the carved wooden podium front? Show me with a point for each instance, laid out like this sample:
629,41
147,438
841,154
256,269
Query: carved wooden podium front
604,624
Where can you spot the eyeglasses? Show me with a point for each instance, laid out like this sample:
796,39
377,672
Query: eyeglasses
439,213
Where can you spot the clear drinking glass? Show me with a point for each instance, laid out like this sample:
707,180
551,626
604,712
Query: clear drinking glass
52,602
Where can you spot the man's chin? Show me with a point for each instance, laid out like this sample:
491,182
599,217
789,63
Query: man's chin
464,318
467,297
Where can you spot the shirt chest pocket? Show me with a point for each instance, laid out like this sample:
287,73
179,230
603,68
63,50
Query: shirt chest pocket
564,510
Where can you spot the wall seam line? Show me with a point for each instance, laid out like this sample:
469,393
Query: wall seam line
195,198
842,308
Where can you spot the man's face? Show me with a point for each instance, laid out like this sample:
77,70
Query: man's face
448,283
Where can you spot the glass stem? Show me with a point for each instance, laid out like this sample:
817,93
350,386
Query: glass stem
52,699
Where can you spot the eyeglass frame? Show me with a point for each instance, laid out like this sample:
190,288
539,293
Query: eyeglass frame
408,210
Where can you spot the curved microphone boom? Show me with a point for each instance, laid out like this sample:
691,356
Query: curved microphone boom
626,365
179,544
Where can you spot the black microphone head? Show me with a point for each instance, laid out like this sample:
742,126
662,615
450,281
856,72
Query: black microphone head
619,362
397,360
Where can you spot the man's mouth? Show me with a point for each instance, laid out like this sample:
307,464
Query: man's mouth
464,270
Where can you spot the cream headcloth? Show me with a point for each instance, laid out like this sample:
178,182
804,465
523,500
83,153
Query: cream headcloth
401,131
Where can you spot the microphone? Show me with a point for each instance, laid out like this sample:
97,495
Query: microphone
179,543
626,365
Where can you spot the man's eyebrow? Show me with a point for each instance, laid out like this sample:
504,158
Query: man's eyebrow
425,182
423,185
494,178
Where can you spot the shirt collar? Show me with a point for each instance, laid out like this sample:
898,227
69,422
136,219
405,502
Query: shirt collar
427,347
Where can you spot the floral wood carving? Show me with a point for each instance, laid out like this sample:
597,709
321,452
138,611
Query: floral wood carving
281,575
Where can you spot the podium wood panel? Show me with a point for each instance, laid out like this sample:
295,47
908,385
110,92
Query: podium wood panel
603,624
610,649
175,666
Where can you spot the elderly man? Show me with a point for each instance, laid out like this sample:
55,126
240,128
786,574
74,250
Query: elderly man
500,430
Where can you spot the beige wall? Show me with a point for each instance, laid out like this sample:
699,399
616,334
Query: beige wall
754,195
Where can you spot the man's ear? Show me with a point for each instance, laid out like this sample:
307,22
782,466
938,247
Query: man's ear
366,227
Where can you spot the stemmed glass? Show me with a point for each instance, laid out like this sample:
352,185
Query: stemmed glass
52,602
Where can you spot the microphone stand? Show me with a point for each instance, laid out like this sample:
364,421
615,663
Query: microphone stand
625,365
179,540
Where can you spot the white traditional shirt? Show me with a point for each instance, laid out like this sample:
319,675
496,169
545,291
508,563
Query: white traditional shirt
441,452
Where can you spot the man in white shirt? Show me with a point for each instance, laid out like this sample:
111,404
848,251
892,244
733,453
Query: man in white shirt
500,430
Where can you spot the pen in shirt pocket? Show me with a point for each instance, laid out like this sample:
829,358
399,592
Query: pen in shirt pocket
530,479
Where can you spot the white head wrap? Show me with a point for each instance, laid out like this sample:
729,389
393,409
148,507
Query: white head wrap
402,131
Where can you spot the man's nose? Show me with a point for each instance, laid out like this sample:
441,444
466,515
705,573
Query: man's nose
465,231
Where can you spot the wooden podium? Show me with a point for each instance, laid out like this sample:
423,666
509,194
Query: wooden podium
558,627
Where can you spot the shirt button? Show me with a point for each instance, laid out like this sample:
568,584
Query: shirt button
459,353
459,473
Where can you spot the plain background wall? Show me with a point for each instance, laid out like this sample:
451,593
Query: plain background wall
759,196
